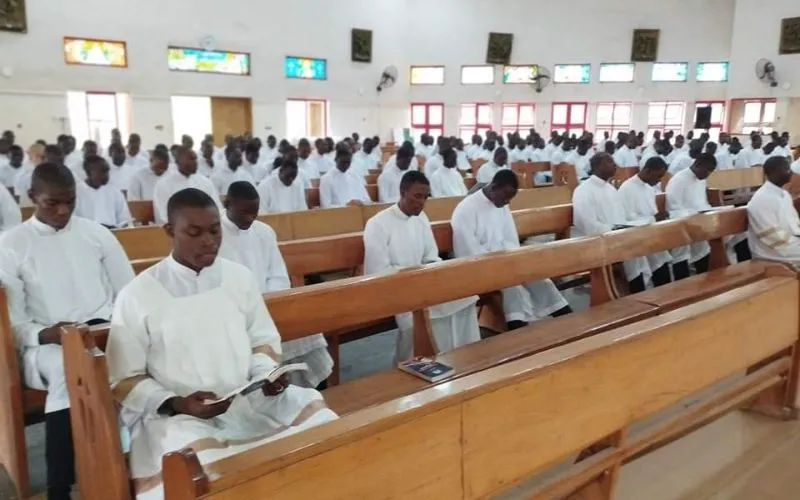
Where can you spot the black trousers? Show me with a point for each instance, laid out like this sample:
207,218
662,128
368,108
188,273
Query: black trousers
661,276
742,250
59,455
681,269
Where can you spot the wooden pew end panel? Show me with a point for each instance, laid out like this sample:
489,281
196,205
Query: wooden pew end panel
184,477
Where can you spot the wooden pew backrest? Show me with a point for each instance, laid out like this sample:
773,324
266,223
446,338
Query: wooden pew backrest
142,211
312,197
144,242
541,197
280,223
736,178
12,423
327,222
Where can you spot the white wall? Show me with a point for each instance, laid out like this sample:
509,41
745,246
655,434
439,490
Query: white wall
448,32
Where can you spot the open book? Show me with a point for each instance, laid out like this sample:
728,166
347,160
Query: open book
259,382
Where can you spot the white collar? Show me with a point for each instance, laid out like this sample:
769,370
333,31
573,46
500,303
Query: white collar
186,272
43,229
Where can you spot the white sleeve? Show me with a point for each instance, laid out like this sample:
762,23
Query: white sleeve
10,214
431,253
326,194
135,189
277,275
465,242
122,212
765,225
383,188
584,214
363,195
436,189
26,331
264,337
376,250
300,202
510,234
126,356
159,203
115,261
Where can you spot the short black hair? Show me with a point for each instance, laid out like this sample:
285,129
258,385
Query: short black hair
188,198
449,153
161,154
303,142
93,160
505,178
413,177
288,163
499,150
242,190
343,149
706,159
251,147
115,146
89,143
16,149
598,158
51,174
53,151
774,163
405,152
134,137
655,163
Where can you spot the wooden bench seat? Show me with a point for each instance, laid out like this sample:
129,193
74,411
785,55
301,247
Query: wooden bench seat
479,435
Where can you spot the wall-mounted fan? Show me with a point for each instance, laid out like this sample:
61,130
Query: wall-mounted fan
388,78
765,71
541,80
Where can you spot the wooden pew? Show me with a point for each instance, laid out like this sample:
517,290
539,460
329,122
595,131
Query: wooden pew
721,183
141,211
529,170
564,175
476,165
679,353
312,197
372,191
623,174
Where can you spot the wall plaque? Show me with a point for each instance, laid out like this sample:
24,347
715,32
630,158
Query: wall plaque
645,45
361,45
12,16
499,49
790,36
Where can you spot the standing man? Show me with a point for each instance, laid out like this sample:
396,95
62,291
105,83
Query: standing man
482,223
400,237
57,269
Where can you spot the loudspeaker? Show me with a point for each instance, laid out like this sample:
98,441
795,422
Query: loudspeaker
702,118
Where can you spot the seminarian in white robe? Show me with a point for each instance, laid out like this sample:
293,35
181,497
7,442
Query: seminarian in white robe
639,203
257,249
487,170
479,227
389,183
174,332
121,175
625,157
581,163
447,182
71,274
105,205
143,184
394,241
596,208
337,189
363,162
172,182
433,164
773,230
224,177
277,197
10,215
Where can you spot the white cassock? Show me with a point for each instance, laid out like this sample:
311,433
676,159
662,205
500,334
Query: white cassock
364,162
174,332
276,197
173,181
393,161
681,162
486,172
337,188
462,163
517,154
268,154
256,170
794,166
324,163
394,241
72,274
639,202
121,175
773,230
750,157
389,183
724,160
581,163
224,177
625,157
204,167
10,214
426,151
558,156
433,164
480,227
142,185
9,174
688,197
23,185
447,182
257,249
309,168
105,205
76,166
596,208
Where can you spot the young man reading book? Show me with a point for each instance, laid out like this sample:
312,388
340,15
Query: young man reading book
190,329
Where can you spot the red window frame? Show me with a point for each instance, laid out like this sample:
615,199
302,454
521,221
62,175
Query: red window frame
716,127
427,126
518,126
663,126
477,127
571,126
760,125
614,128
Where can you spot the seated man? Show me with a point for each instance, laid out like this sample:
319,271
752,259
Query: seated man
122,166
364,160
283,192
183,176
401,237
686,196
392,173
98,199
187,330
598,208
774,226
447,180
232,171
253,164
498,162
482,223
143,182
639,202
254,245
340,187
57,269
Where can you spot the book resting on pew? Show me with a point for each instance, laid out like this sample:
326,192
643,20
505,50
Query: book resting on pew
426,369
259,382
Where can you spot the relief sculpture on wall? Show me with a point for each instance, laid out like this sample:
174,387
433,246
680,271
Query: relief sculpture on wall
790,36
12,16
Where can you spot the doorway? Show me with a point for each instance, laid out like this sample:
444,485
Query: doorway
306,118
230,115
